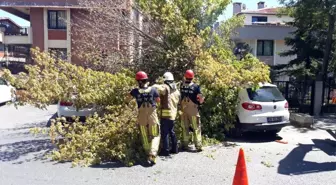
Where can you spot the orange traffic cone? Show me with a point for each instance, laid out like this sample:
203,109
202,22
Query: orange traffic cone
240,177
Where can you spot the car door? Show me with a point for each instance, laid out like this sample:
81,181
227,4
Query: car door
5,92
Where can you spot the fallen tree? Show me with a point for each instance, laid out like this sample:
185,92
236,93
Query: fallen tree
184,39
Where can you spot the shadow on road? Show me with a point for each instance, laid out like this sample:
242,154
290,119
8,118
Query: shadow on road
332,133
109,165
28,126
293,163
255,137
13,151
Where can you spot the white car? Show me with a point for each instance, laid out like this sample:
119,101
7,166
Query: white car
67,109
7,92
264,109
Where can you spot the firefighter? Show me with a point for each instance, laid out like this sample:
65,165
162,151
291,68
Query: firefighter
191,99
148,121
169,99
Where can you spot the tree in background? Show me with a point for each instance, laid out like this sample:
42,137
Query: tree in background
312,41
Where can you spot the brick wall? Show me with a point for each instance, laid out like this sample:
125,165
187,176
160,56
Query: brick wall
36,20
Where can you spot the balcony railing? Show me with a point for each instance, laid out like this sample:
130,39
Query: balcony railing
22,36
21,32
270,23
12,59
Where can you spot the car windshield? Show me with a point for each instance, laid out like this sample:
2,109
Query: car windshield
265,94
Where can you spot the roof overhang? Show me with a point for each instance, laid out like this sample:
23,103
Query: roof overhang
39,3
9,19
18,12
263,32
260,13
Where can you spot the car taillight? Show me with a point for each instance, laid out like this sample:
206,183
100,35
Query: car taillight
286,105
65,103
251,106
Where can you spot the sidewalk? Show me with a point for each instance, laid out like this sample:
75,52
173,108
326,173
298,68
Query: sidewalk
327,123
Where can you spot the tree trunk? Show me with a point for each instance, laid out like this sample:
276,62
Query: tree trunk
329,42
327,51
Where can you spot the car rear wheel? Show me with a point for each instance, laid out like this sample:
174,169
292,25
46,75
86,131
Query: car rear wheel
236,131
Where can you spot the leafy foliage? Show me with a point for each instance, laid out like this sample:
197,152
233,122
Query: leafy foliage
181,23
110,135
101,139
51,80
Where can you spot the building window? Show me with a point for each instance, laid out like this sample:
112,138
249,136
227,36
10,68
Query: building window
259,19
265,47
57,19
59,53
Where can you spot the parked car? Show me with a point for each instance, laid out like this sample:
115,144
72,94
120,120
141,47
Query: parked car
7,92
67,109
264,109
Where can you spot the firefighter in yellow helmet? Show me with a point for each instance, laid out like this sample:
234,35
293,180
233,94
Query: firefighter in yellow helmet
191,98
148,121
169,99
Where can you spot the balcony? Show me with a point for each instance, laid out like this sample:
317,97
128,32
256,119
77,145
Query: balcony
24,36
264,32
15,54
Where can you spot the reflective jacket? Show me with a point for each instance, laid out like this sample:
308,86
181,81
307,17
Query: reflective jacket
169,99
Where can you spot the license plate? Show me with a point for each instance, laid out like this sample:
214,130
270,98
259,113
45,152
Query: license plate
274,119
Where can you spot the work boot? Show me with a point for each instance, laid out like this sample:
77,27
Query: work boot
174,151
185,148
164,153
199,149
152,160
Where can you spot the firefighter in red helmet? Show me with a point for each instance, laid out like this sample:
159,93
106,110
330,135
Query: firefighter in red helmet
191,98
146,98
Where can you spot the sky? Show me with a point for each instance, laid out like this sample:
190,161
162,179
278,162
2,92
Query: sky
250,5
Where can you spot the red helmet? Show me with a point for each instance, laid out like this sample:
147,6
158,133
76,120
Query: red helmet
189,74
141,76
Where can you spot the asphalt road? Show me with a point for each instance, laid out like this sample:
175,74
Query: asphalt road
308,159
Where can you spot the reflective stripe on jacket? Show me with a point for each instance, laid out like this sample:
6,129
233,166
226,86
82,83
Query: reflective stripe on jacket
169,99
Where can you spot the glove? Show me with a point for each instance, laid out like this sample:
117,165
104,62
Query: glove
200,98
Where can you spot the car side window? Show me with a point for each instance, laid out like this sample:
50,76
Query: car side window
3,82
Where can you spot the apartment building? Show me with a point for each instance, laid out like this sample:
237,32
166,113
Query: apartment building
10,47
264,31
50,27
